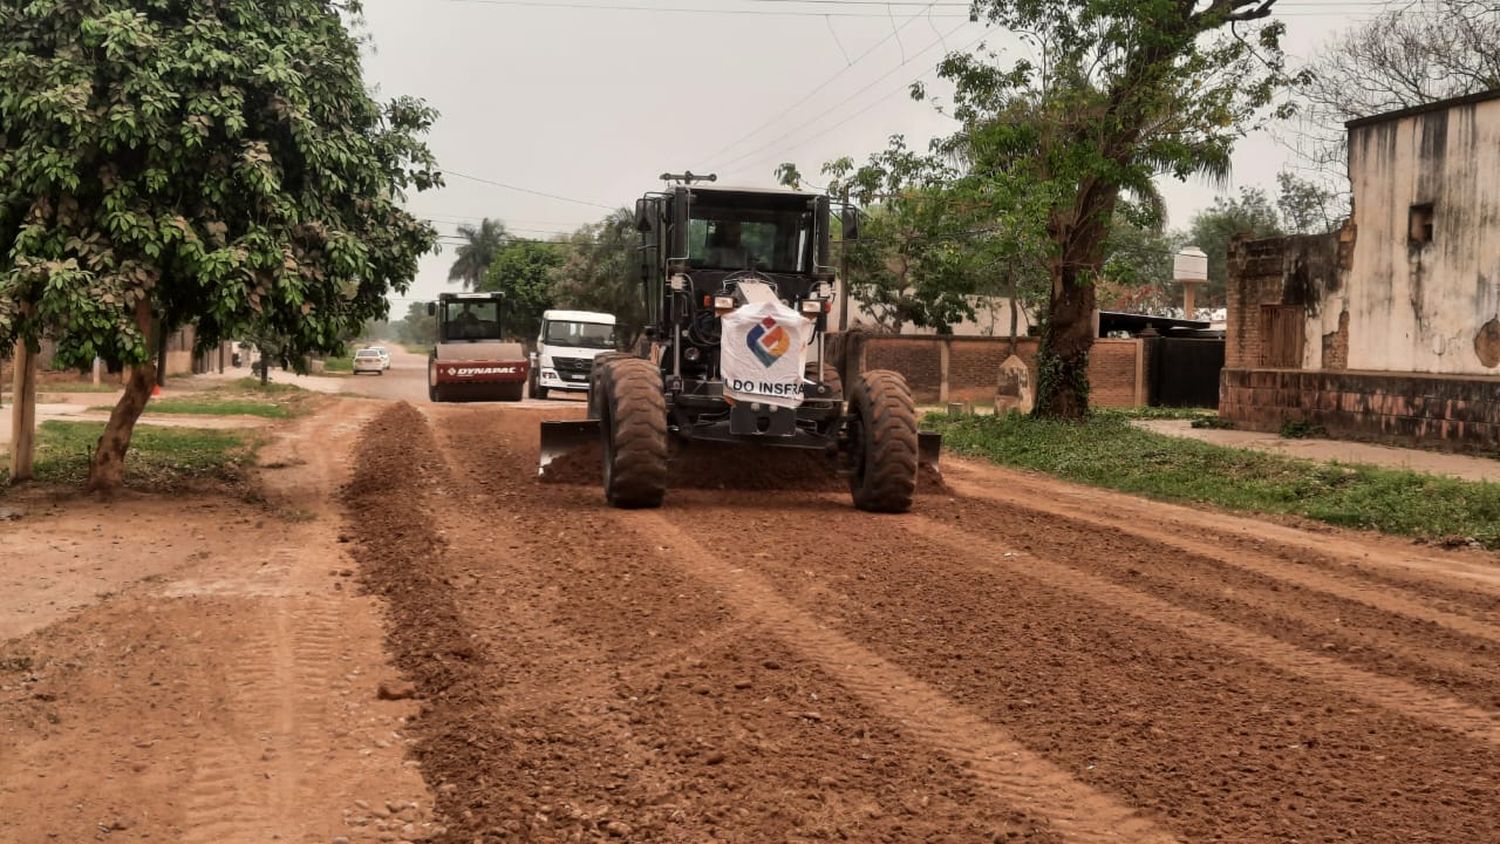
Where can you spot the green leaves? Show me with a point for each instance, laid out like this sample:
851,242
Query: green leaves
522,272
221,161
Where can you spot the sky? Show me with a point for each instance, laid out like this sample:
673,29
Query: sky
555,111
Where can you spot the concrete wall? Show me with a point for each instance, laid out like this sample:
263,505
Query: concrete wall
1424,308
941,369
1373,298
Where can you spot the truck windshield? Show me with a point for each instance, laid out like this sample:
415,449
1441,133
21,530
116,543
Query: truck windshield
579,335
476,320
771,240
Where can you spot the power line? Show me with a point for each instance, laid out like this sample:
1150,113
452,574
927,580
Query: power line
773,142
895,33
543,194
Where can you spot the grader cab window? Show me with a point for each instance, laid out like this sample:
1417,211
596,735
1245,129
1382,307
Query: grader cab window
750,239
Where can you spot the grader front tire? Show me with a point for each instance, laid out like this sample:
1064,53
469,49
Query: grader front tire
634,425
884,458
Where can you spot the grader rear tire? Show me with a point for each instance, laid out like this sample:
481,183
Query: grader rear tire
884,458
634,425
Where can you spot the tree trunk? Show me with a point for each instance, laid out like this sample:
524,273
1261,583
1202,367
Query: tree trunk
1063,360
161,355
107,470
23,414
1011,292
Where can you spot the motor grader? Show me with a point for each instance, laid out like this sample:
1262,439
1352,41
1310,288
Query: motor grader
738,290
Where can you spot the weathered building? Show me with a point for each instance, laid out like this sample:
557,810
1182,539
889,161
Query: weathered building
1389,329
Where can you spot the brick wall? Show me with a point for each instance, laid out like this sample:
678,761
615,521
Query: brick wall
1455,413
919,359
1255,278
1113,374
972,366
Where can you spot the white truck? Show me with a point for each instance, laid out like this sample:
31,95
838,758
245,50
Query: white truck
565,350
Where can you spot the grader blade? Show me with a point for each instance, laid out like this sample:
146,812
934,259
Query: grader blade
562,438
929,449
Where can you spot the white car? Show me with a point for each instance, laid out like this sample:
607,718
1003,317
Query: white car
369,360
385,355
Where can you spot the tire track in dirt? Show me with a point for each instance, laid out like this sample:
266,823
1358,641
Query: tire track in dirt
218,805
1000,763
1410,700
1267,559
561,722
225,801
1211,743
1218,745
1466,582
1372,639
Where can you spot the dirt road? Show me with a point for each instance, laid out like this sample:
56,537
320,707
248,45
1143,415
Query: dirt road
1017,659
404,636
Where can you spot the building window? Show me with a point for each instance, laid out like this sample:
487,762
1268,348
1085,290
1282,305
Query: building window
1421,224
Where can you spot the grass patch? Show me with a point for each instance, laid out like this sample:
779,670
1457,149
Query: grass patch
253,387
246,398
1108,451
66,387
339,364
214,406
159,458
1189,413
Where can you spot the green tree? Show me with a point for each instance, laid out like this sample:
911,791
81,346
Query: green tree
1124,91
1250,214
1308,207
215,162
418,328
1137,272
522,272
1401,58
921,255
602,273
472,259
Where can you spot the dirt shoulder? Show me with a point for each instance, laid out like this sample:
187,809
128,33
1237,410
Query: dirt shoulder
200,668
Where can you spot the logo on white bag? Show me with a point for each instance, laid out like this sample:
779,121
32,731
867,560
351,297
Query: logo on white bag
768,341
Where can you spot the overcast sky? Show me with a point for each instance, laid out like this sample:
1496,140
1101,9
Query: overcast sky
579,100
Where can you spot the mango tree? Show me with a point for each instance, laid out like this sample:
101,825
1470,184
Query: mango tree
1119,92
218,163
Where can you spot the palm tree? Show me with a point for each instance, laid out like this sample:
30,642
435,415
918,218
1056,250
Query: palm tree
474,257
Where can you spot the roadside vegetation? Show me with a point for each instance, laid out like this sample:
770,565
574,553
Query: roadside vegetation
75,387
160,458
246,397
1107,451
341,363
